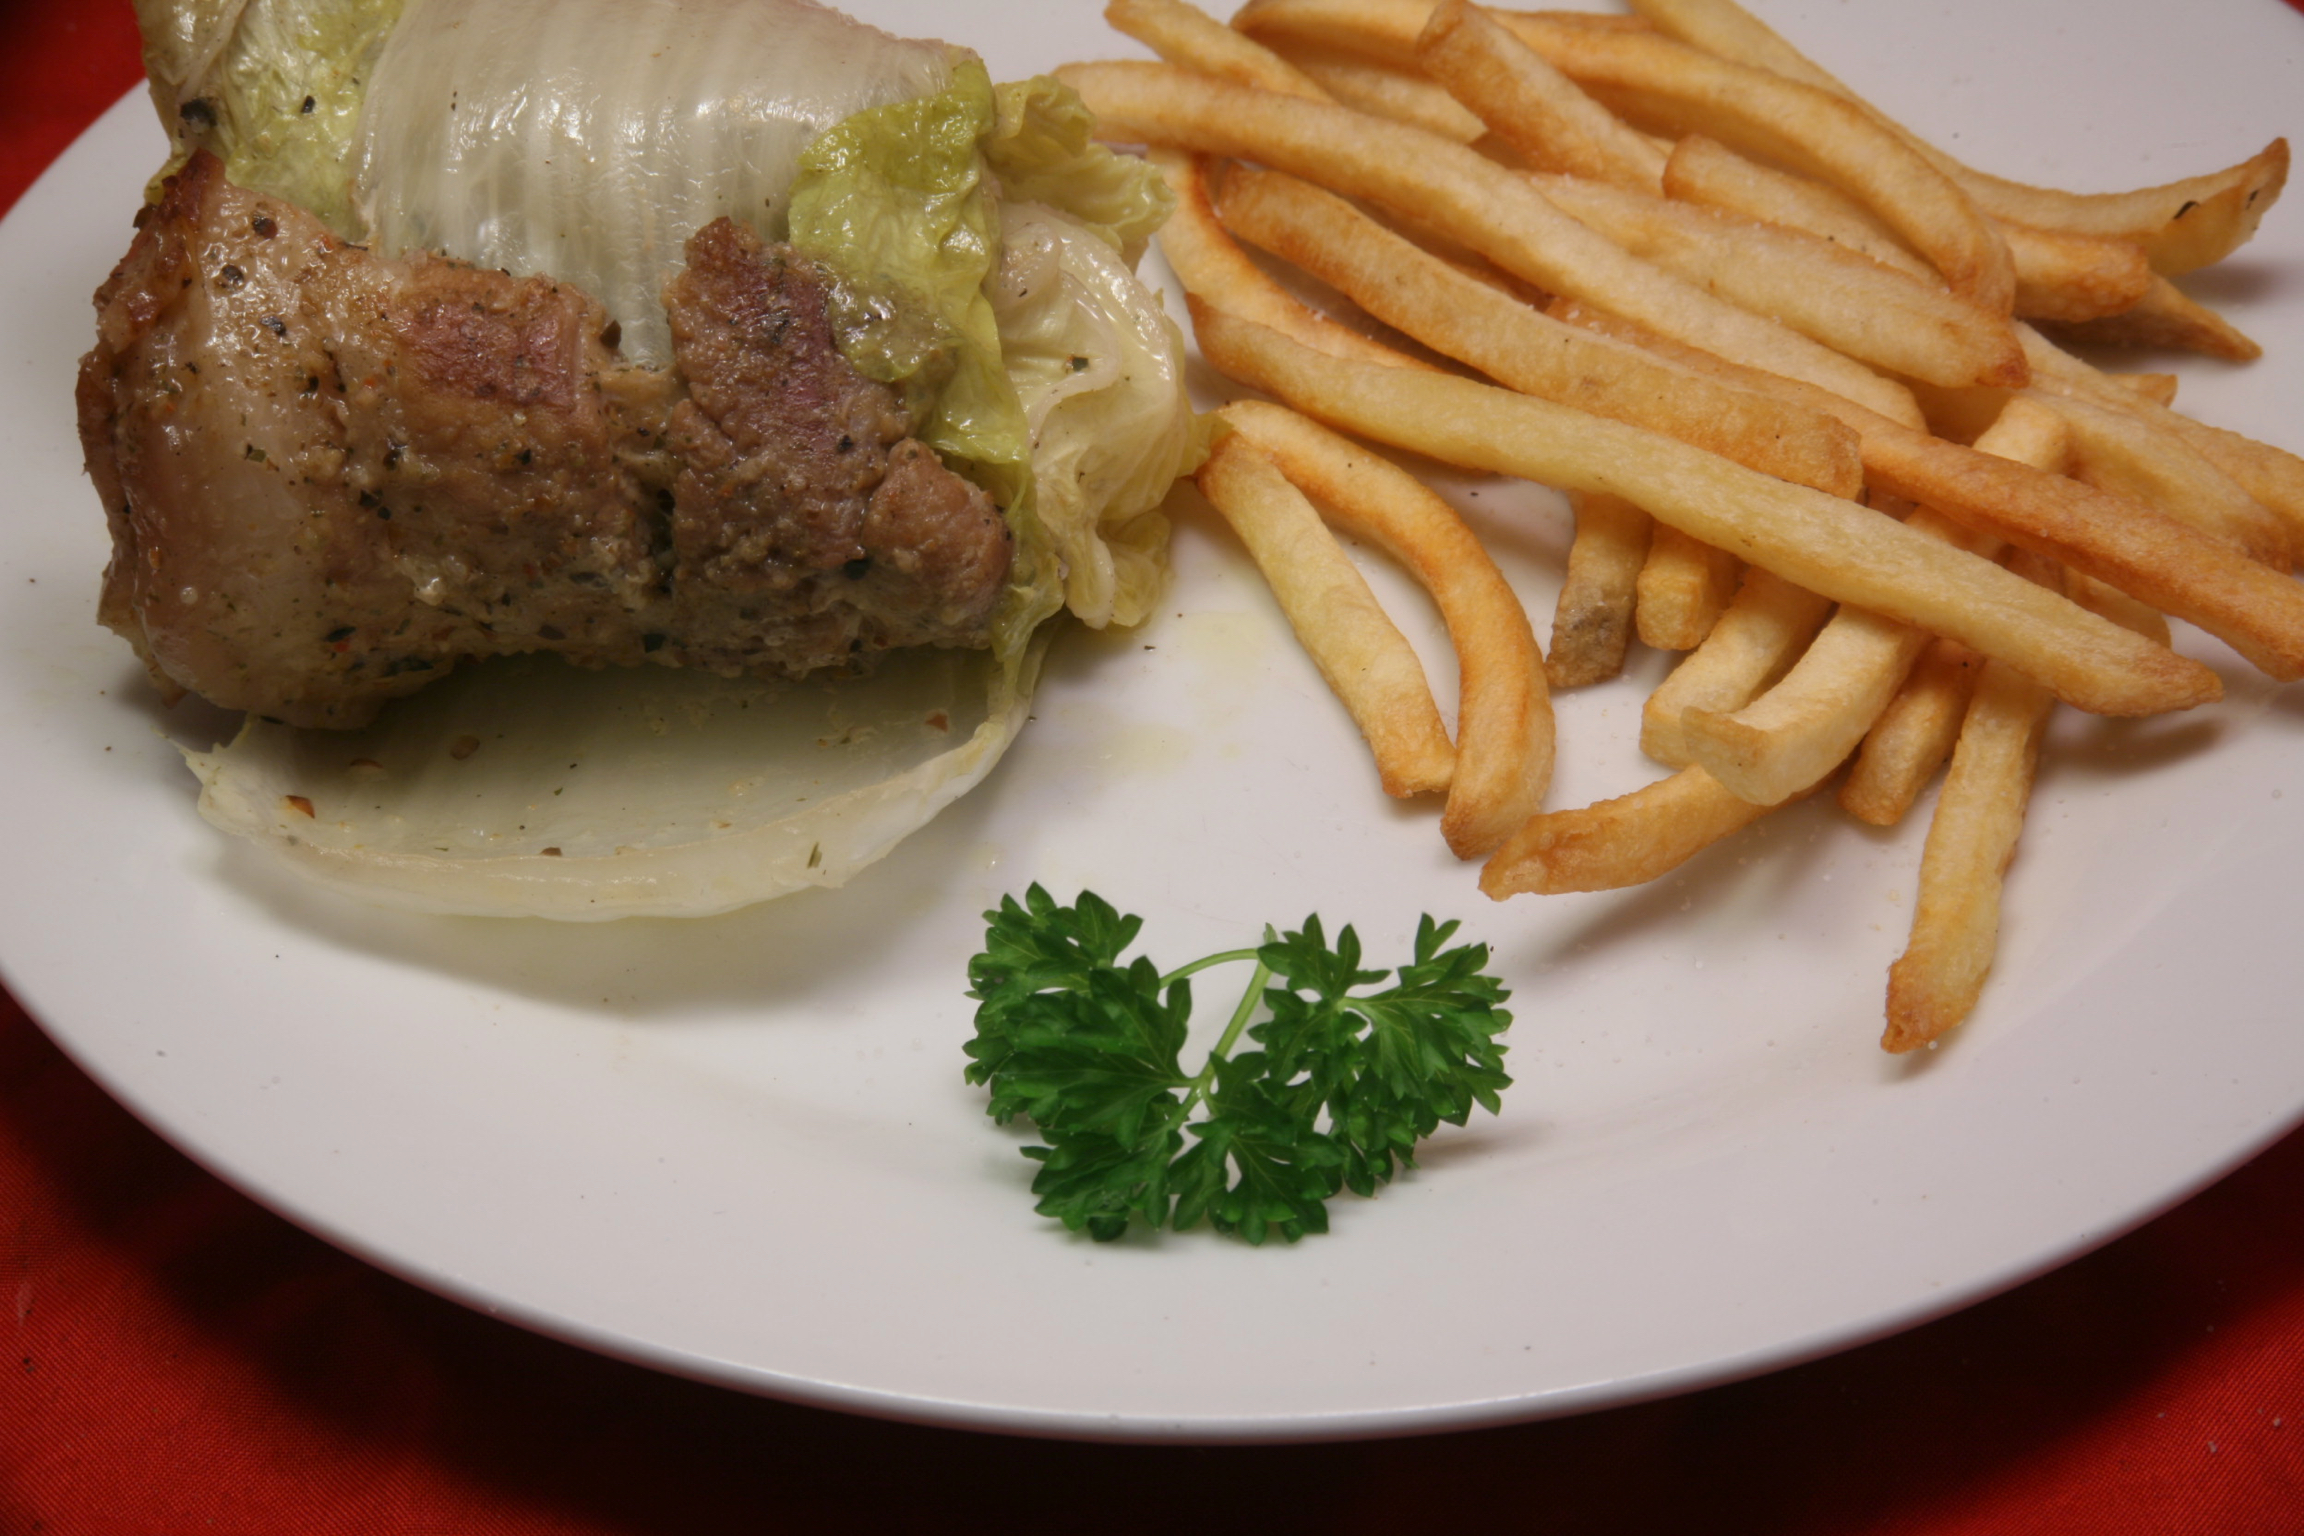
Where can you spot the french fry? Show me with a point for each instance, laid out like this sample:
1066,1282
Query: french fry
1711,175
2159,388
1208,264
1675,89
1368,664
1839,297
2099,598
2060,275
1933,986
1186,35
1913,736
2165,317
1504,730
1460,193
1756,641
1617,843
1387,28
1831,546
1685,585
1678,90
1529,104
1789,738
2182,225
2063,275
2143,551
1592,622
2119,451
1399,94
1473,322
2272,475
1569,222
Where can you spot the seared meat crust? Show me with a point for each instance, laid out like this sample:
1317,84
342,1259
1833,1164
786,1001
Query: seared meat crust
329,477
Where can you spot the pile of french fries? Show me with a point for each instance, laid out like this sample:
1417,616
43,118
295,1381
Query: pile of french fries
1793,368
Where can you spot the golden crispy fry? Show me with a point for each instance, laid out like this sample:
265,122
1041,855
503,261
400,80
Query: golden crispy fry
1971,840
1458,192
2119,451
1755,642
2159,388
1711,175
2166,317
2062,275
2117,606
1675,89
1679,90
1369,665
1365,85
2272,475
1617,843
2141,550
1529,104
1789,738
1831,546
2137,548
1186,35
1592,623
1933,987
1685,585
1913,736
1208,264
1387,28
2182,225
1504,734
1472,321
1845,300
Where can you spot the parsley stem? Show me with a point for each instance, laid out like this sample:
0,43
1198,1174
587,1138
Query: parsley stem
1231,1035
1207,963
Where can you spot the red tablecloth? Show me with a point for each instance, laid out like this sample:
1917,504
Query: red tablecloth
179,1360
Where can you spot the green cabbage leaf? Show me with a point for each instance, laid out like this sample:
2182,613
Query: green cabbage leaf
273,88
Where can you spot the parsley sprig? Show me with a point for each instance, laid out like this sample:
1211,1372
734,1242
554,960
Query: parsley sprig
1342,1084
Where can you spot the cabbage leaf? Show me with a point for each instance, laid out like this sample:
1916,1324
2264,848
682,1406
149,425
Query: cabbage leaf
984,245
272,87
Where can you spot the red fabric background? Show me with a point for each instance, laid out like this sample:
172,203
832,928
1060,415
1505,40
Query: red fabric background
179,1360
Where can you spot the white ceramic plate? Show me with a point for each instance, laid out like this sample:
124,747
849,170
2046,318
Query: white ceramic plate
742,1150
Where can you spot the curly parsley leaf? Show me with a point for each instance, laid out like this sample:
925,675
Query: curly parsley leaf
1349,1077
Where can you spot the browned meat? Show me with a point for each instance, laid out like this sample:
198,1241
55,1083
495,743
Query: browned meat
331,477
